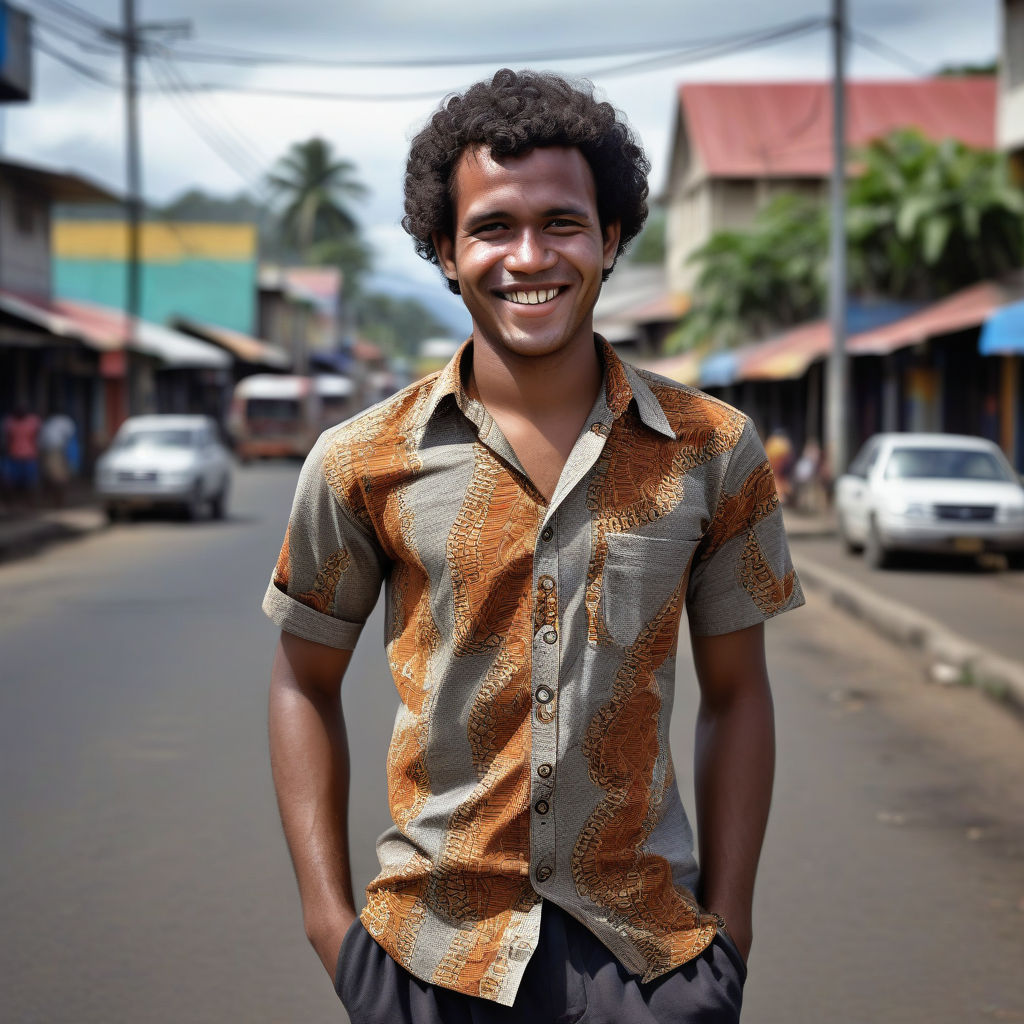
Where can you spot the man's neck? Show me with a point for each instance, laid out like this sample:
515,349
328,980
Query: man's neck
537,388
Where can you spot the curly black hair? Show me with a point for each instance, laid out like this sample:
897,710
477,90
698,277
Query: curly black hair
513,113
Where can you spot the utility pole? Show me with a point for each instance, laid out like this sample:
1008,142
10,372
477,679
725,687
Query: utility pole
132,39
837,398
133,196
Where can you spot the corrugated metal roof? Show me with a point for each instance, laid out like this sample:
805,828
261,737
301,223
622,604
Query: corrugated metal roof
782,129
246,348
786,356
966,308
109,329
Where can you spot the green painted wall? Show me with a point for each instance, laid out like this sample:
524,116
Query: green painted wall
216,291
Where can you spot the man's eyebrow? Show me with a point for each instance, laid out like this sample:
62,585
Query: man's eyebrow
484,216
554,211
562,211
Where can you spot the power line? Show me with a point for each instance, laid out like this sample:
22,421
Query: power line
226,124
77,66
697,54
890,53
74,13
214,141
689,56
244,57
70,35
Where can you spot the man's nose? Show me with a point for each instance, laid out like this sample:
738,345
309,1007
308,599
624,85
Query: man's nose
530,254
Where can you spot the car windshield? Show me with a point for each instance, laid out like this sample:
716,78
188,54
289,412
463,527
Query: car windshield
157,438
944,464
272,409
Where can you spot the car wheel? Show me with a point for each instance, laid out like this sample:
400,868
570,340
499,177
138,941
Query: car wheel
114,513
196,506
219,505
876,554
850,546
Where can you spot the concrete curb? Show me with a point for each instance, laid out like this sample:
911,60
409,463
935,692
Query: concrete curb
952,657
21,538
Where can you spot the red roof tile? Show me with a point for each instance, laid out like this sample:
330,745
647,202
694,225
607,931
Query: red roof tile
773,129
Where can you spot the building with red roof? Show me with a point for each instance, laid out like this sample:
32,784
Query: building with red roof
738,145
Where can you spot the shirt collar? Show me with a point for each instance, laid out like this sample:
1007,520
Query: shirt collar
622,385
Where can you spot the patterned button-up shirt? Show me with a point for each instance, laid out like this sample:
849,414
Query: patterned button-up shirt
533,644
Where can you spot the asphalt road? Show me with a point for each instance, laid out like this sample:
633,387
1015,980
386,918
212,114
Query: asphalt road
982,600
144,877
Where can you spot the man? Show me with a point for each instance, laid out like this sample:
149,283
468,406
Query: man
55,439
540,513
21,444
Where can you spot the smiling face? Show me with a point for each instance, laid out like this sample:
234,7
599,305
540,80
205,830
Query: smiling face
528,251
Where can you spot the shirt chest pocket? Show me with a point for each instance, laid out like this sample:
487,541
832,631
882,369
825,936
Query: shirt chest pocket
640,576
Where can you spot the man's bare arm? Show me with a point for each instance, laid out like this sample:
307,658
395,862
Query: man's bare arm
734,765
309,759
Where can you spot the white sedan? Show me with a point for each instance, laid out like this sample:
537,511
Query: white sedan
165,460
930,492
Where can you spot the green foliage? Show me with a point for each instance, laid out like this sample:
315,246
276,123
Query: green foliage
756,281
923,219
926,218
350,254
984,70
314,188
196,205
649,245
397,324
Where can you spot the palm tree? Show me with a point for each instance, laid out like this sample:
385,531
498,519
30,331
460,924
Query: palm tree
925,218
756,281
315,187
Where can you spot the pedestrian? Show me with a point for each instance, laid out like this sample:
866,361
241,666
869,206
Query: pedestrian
779,450
541,514
21,448
56,437
810,496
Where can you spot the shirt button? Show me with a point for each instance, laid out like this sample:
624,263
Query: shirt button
544,695
541,807
547,583
550,636
544,770
543,873
547,534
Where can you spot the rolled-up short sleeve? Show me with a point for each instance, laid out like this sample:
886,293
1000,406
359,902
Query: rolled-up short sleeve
330,568
742,572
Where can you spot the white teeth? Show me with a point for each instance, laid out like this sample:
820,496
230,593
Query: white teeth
532,298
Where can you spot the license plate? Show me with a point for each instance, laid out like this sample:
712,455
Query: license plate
968,545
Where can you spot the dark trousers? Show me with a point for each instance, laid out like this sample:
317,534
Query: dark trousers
570,979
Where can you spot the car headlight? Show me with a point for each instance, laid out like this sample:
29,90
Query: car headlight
1012,513
176,478
910,509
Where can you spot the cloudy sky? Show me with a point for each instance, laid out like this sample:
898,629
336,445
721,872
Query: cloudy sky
223,141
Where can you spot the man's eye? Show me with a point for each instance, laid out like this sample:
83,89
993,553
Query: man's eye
483,228
561,222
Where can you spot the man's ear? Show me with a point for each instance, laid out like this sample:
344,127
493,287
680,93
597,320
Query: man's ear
445,249
612,233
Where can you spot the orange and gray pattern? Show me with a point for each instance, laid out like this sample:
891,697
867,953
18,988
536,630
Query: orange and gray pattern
532,649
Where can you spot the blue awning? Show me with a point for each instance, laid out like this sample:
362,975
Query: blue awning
719,370
1003,332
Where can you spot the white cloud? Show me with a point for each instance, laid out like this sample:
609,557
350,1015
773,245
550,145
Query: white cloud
75,124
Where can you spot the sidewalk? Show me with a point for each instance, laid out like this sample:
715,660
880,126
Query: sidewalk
25,531
952,657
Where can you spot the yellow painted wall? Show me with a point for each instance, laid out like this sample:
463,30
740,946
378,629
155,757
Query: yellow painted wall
160,241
